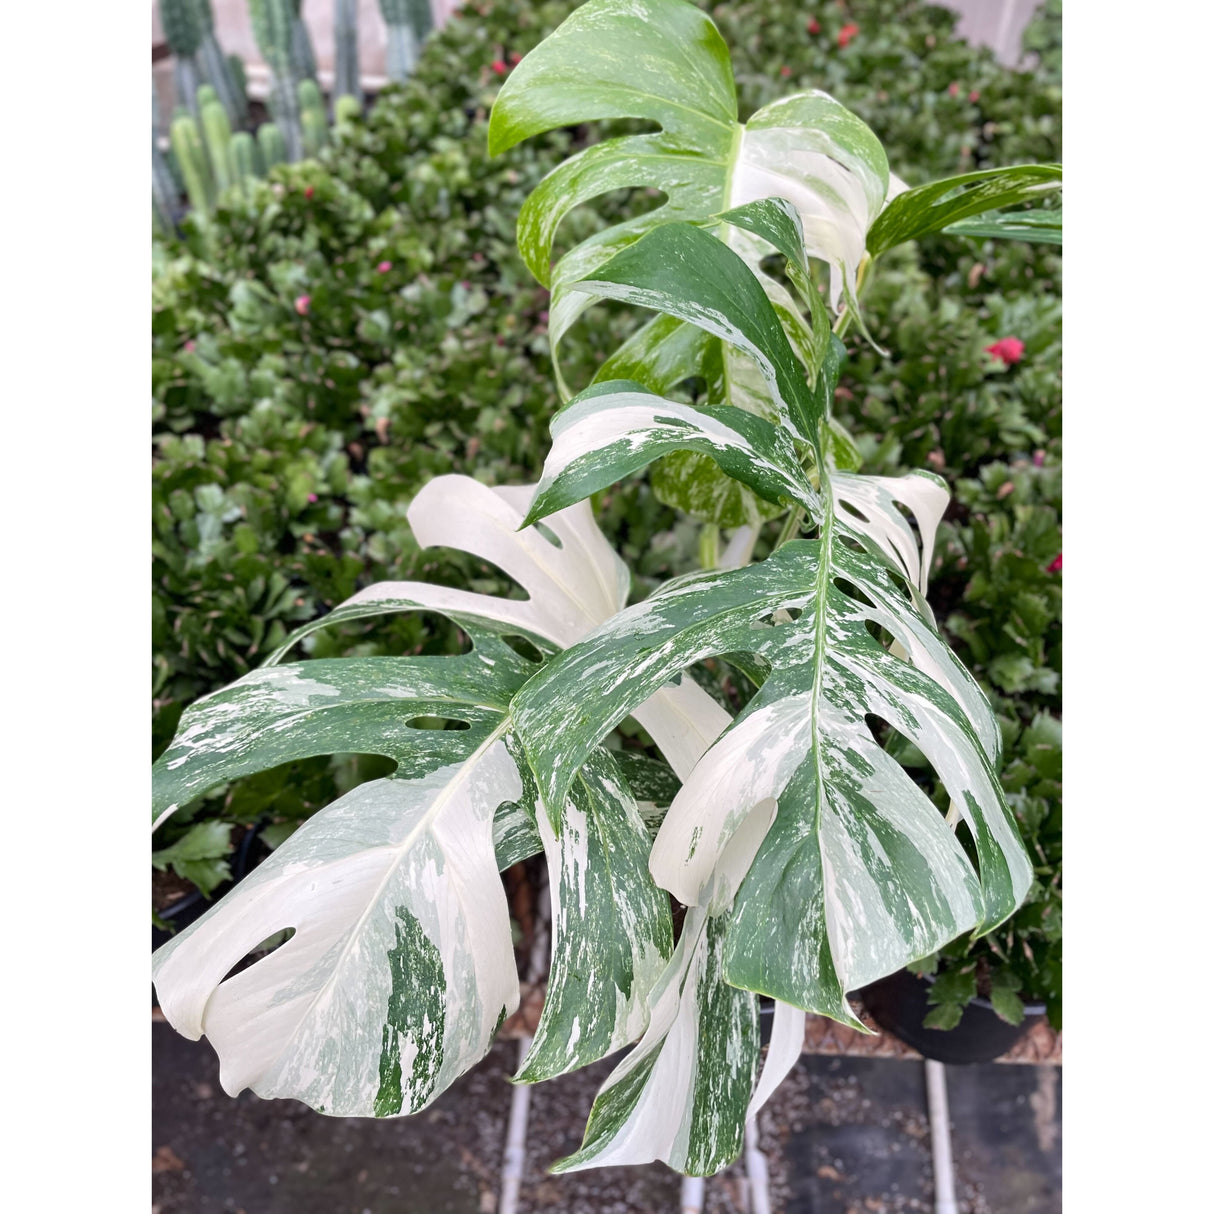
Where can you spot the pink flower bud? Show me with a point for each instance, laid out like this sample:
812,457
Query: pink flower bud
499,67
1006,350
383,267
302,304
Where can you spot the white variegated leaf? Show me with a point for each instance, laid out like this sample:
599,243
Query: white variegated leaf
614,429
681,1094
868,505
857,873
401,965
611,926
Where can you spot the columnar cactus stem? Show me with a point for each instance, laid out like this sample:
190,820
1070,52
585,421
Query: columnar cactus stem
272,145
345,56
246,162
183,24
192,161
217,133
273,25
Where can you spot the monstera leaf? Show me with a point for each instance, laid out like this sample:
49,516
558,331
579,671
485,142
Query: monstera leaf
819,860
664,60
400,967
945,205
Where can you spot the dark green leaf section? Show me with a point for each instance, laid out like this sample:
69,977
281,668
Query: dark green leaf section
776,220
727,1064
340,705
649,779
684,272
416,1015
612,931
681,1095
932,207
1037,227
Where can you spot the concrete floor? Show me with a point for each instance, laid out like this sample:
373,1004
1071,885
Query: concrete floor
842,1136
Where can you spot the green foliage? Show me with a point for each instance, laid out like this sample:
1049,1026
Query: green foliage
288,445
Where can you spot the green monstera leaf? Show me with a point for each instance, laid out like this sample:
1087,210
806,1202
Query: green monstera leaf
664,60
400,967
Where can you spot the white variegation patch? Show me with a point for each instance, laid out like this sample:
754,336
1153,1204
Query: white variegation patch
874,514
815,153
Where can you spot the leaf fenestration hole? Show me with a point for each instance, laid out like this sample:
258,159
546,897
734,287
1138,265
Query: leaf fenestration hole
436,723
523,647
260,952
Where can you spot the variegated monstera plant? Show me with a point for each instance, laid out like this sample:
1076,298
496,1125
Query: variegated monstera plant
808,860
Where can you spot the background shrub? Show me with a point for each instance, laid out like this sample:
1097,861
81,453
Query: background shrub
360,323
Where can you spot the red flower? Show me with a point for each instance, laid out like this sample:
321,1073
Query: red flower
302,304
309,192
1055,566
499,67
383,267
813,26
973,94
515,57
954,89
1007,350
847,33
786,72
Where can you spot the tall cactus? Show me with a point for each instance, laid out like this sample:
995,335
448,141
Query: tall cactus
246,162
192,161
302,54
408,22
164,188
183,25
312,117
345,52
272,145
346,110
217,134
273,23
216,68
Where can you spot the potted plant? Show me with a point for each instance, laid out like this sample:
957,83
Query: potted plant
809,860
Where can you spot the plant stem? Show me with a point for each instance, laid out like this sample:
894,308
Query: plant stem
792,525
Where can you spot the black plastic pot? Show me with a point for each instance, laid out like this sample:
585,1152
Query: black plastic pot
899,1003
249,853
